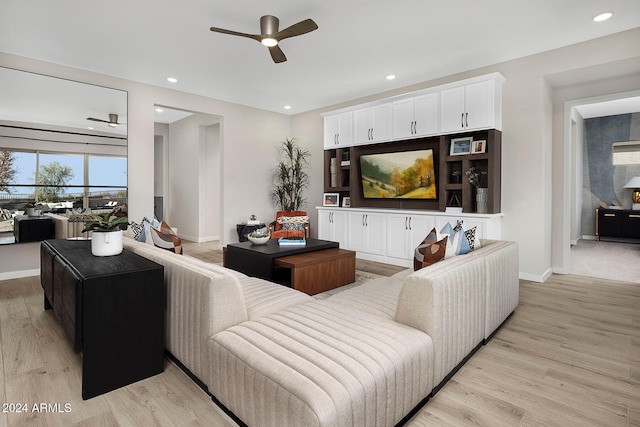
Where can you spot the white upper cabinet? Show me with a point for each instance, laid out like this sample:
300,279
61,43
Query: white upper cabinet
372,124
416,116
467,105
471,107
338,130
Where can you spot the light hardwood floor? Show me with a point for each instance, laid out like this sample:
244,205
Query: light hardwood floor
569,356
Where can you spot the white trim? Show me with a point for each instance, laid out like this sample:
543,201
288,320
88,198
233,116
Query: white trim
535,278
19,274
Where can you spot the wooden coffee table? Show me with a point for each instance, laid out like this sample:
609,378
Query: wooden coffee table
317,266
319,271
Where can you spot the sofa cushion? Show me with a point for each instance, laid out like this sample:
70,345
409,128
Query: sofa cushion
378,296
321,364
263,297
429,253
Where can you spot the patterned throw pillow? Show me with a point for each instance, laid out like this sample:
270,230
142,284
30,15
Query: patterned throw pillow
429,253
418,258
164,237
461,241
293,222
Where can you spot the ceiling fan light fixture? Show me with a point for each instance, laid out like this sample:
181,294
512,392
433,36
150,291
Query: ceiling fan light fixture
603,17
112,125
269,42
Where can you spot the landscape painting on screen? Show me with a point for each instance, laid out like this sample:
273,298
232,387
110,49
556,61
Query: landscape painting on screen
398,175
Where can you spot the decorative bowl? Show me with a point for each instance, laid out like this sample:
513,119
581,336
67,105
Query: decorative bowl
258,239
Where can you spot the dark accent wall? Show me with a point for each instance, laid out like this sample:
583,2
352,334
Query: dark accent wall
600,133
602,180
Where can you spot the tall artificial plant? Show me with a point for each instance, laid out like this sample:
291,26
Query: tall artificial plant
290,176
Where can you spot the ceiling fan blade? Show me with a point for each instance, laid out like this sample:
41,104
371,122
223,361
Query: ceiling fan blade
97,120
236,33
277,54
302,27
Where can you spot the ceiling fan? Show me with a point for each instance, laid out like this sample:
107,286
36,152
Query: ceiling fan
270,36
112,122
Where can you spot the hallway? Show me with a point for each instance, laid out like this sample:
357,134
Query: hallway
607,260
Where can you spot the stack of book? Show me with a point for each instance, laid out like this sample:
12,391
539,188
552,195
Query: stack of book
291,241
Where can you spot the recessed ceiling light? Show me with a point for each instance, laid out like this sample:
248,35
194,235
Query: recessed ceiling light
390,76
172,79
603,17
159,110
287,107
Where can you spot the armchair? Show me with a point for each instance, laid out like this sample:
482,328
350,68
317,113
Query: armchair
290,224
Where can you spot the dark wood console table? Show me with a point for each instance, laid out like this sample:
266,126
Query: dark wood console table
618,224
110,308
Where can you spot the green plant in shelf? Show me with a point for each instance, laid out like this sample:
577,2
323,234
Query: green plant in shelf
106,222
476,178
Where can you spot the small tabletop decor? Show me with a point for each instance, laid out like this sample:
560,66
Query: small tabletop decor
259,237
106,239
482,198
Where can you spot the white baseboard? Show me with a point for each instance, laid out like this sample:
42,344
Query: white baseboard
535,277
19,274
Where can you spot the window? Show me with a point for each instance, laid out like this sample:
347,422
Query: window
626,152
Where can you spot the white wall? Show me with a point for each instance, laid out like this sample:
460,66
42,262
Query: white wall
533,179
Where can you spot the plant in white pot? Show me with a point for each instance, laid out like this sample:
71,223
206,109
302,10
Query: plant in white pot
106,239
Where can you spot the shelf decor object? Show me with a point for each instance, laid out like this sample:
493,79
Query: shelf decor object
461,146
635,194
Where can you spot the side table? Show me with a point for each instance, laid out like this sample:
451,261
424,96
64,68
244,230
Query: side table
110,308
244,229
33,228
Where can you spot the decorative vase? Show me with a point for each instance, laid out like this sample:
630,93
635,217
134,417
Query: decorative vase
106,243
482,198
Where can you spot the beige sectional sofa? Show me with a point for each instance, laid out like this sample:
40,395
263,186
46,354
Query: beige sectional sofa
367,355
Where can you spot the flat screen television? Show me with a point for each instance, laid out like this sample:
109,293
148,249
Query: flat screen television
398,175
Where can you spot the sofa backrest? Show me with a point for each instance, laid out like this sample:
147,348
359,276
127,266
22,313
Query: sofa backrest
202,299
447,301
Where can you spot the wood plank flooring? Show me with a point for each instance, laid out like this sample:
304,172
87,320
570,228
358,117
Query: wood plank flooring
569,356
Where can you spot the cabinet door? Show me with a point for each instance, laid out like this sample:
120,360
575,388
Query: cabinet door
426,114
337,130
403,118
479,105
609,224
631,225
452,109
381,122
331,131
362,126
339,228
397,236
356,240
324,225
375,233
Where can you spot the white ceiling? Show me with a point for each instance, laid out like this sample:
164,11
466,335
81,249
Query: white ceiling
358,42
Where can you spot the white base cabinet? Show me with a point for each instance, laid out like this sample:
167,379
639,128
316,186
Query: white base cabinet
332,225
391,236
366,231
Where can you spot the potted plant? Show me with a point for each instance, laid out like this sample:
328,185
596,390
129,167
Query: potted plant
476,179
106,239
290,176
456,177
34,209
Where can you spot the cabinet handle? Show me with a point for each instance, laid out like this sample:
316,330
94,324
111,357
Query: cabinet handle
409,223
405,223
609,214
366,220
462,120
466,119
634,216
